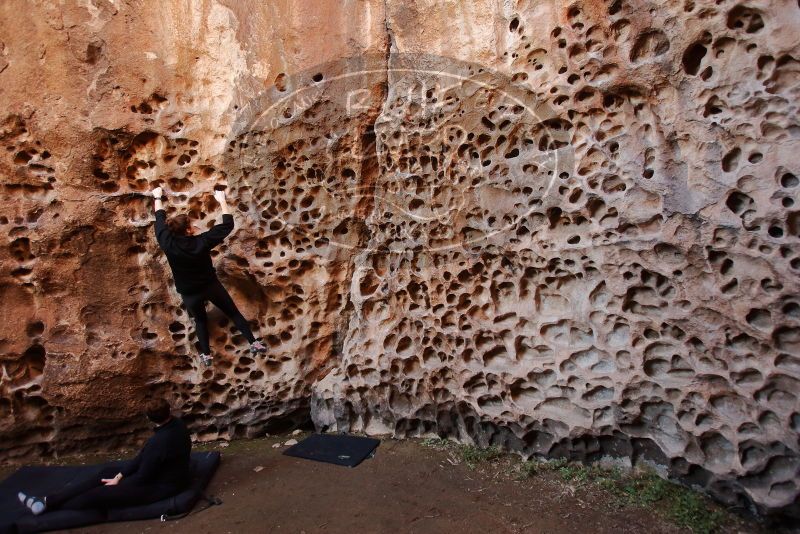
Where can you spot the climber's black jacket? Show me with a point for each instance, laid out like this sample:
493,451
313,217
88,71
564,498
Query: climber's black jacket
188,256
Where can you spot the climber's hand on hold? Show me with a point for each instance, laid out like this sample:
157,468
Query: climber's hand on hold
157,192
223,204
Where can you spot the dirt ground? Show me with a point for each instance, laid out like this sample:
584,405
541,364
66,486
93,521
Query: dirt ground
405,487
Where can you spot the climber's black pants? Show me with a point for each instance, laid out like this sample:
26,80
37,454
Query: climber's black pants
91,493
196,306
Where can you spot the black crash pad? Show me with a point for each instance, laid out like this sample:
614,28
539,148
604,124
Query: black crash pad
339,449
41,480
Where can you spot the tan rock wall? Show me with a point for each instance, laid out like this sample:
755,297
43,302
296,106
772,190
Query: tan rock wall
102,100
566,228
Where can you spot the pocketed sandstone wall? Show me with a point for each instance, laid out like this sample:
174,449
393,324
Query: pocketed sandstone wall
101,101
593,242
566,228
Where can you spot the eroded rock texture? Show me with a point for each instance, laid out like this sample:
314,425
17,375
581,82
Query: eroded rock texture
105,99
569,229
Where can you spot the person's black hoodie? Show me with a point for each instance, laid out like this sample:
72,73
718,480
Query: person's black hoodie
164,459
188,256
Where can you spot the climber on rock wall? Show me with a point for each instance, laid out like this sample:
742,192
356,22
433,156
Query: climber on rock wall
194,274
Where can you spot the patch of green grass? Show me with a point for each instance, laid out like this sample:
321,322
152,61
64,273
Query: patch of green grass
575,473
437,443
685,507
640,488
691,510
643,489
472,455
529,469
570,472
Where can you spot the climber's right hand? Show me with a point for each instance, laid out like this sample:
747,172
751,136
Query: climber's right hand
157,192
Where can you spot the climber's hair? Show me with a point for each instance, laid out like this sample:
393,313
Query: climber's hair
179,224
157,410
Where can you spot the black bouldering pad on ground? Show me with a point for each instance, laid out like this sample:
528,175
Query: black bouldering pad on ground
41,480
339,449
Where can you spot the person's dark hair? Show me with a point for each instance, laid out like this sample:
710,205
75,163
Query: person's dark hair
157,410
179,224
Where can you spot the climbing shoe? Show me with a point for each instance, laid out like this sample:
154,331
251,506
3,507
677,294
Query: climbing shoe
257,347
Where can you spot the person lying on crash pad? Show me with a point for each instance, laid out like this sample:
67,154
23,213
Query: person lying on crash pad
159,471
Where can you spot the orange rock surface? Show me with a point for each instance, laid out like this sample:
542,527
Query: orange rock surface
565,228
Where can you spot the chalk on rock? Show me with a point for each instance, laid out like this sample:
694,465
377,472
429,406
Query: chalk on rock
276,445
291,442
297,432
258,468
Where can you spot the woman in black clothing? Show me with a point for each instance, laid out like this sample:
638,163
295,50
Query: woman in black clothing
159,471
194,274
